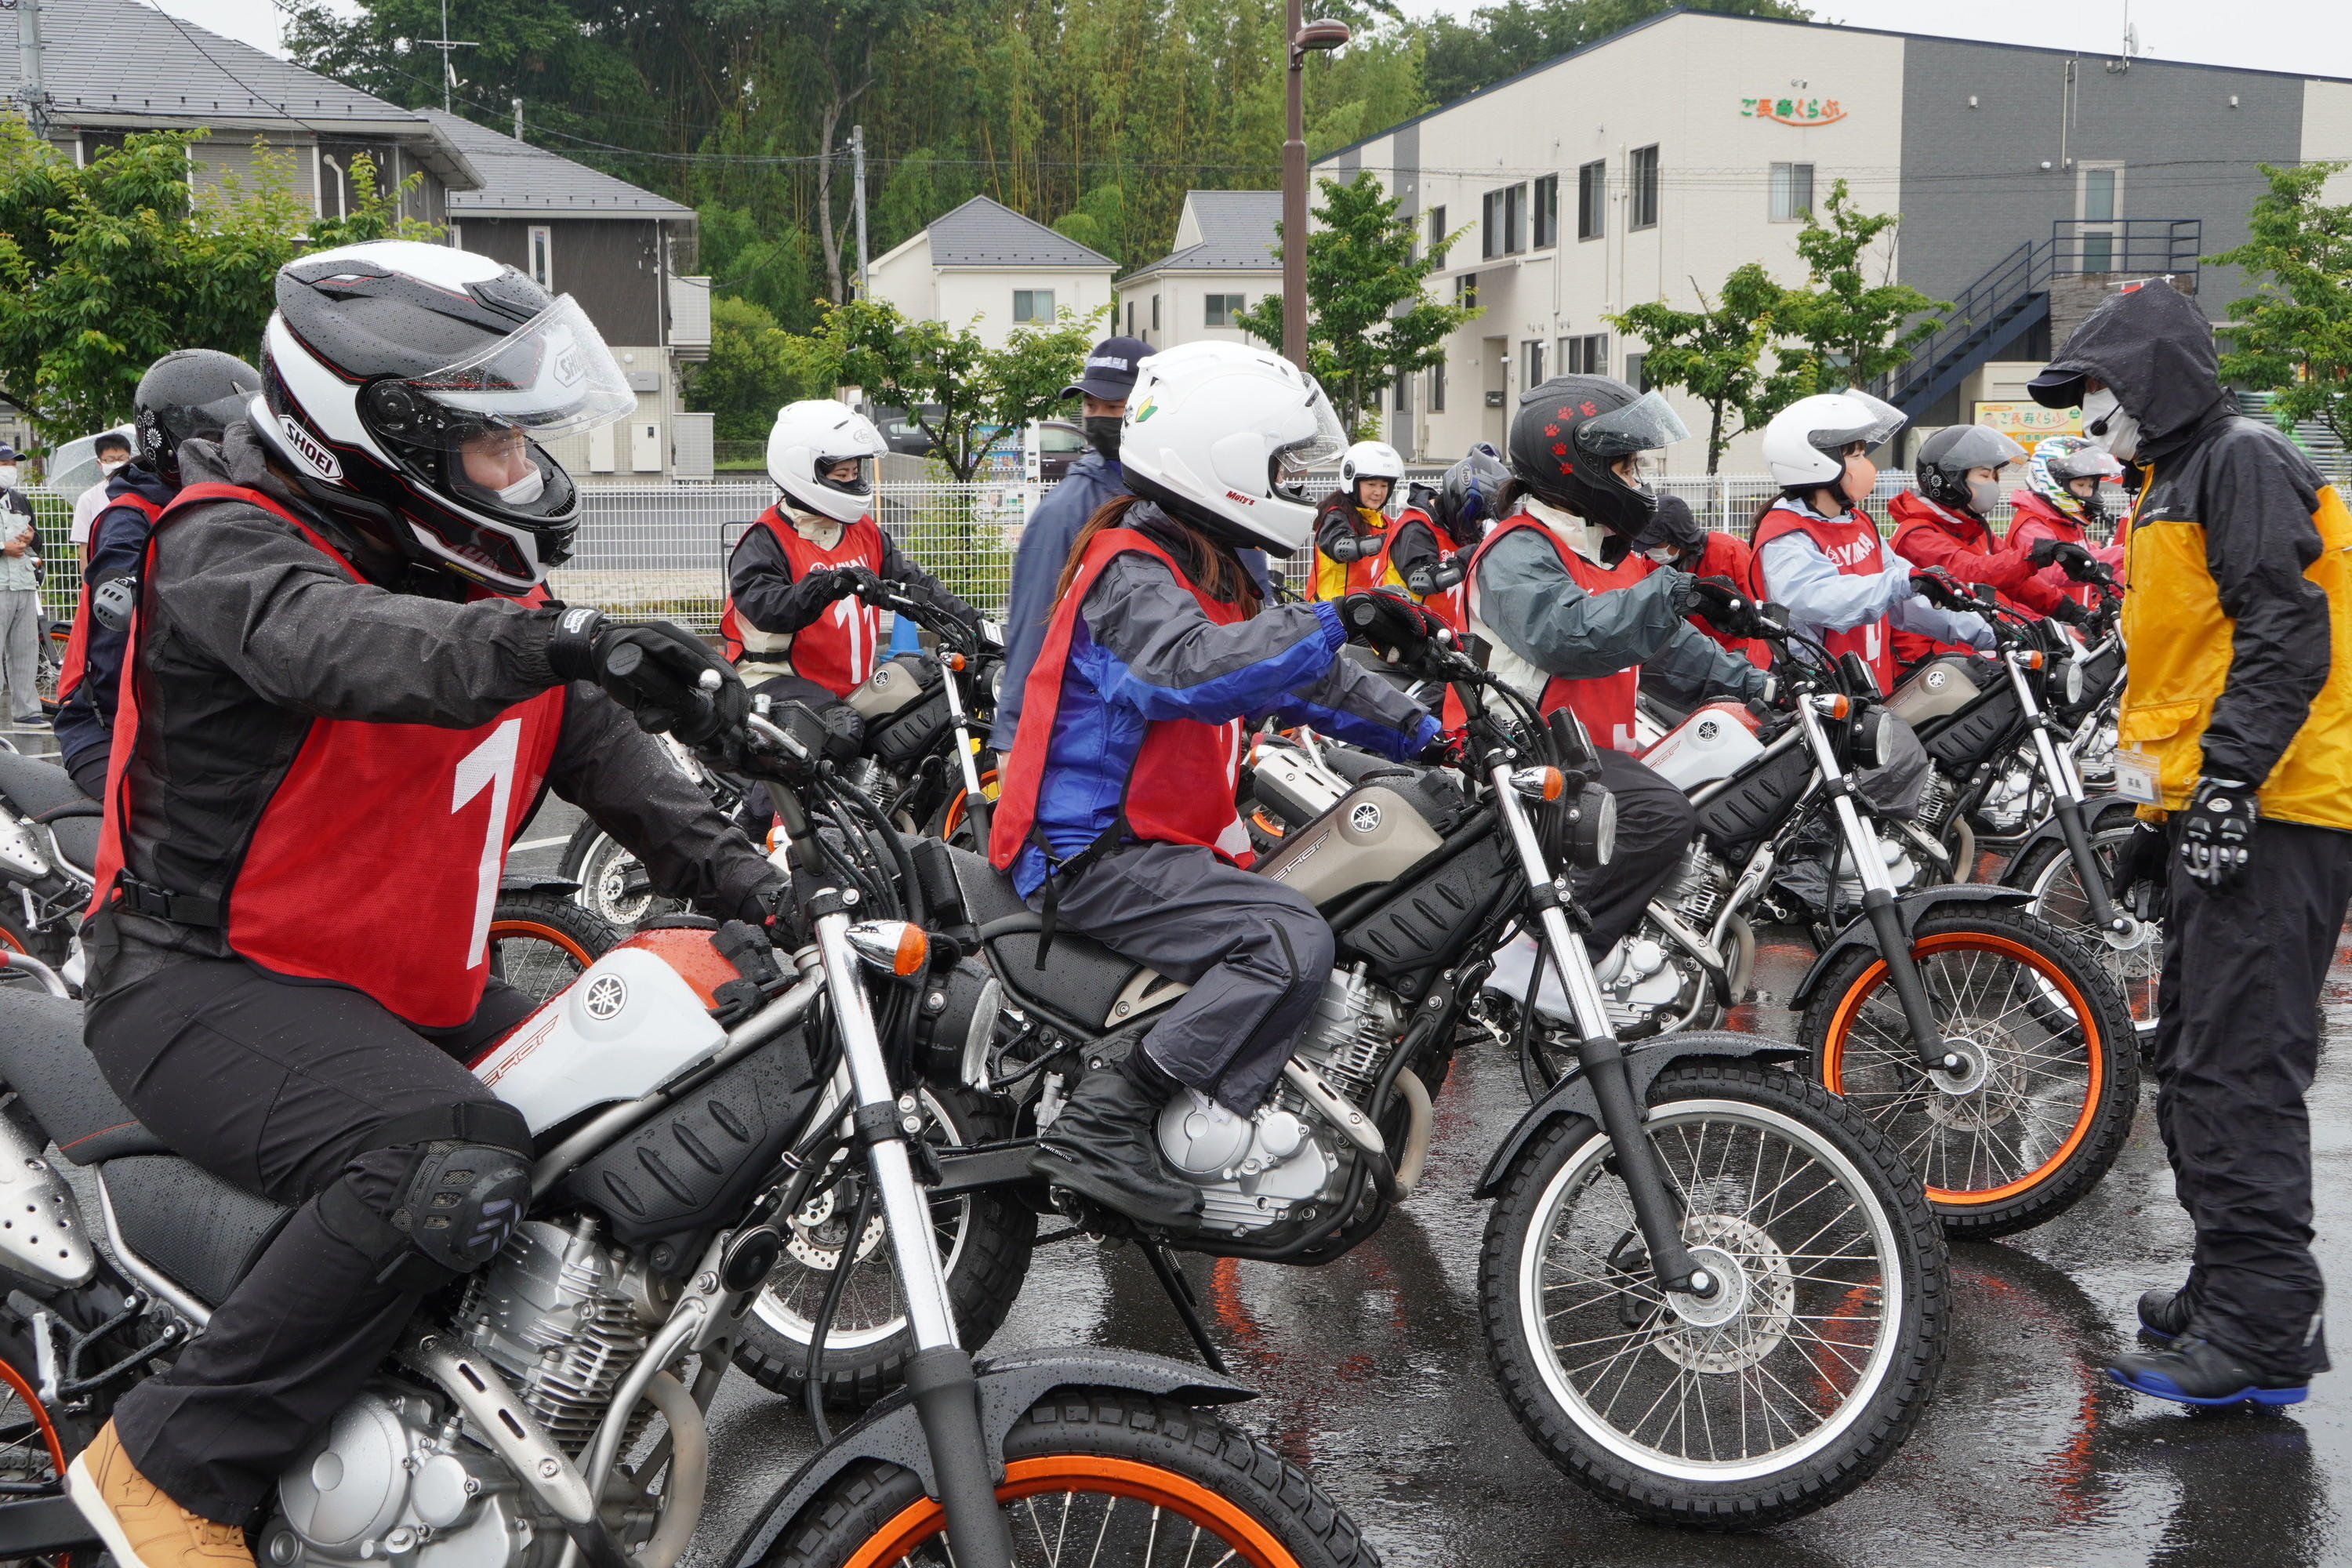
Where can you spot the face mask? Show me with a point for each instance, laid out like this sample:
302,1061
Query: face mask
107,470
1983,495
526,490
2106,425
7,474
1102,433
1664,554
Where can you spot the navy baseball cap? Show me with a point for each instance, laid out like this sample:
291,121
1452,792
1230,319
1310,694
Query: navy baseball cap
1110,370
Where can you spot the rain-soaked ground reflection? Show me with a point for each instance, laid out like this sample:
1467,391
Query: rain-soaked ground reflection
1373,1371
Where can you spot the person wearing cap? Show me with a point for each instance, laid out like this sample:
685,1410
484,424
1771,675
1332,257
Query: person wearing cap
2235,736
1095,478
1674,537
20,599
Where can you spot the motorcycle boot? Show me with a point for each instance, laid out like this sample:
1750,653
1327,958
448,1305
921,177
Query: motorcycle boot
2164,1314
2197,1372
139,1524
1105,1147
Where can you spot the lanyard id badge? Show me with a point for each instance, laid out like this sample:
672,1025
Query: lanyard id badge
2136,778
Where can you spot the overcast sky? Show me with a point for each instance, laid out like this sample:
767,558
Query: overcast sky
2313,36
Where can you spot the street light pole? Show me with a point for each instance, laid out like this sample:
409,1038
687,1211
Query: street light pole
1304,38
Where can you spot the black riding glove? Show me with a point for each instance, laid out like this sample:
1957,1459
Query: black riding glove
1390,623
2068,613
666,678
2217,832
1720,602
2063,553
1938,589
2138,881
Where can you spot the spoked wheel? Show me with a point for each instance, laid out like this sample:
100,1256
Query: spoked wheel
540,942
954,825
613,885
983,1240
34,1448
2047,871
2052,1075
1777,1397
1100,1477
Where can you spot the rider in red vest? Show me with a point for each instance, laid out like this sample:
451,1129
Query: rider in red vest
804,579
344,695
1817,552
1571,616
2062,502
1117,816
1942,525
1674,539
189,393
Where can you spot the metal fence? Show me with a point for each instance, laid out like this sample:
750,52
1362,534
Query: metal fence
661,550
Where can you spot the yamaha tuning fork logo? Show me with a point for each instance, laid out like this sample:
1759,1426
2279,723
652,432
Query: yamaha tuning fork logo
607,995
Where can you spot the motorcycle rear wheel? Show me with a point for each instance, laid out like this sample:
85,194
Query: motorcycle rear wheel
2040,1123
36,1447
1807,1382
1126,1479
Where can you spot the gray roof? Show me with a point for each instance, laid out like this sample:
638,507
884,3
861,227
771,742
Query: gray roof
120,63
1237,234
983,233
521,180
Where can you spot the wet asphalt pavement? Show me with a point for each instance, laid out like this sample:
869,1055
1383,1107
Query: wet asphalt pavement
1373,1371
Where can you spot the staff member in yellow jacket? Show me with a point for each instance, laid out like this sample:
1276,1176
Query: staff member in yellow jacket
2236,734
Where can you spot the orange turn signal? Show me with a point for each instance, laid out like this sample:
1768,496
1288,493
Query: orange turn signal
2033,660
954,661
899,946
1538,784
1838,706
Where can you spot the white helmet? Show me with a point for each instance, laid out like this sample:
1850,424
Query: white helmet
1221,434
1370,460
814,436
1804,445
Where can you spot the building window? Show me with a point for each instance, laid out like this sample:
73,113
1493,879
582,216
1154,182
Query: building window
1465,291
1546,211
1506,226
1437,387
1437,233
1035,305
1531,362
1155,312
2099,200
1792,192
456,237
1641,173
1637,372
1585,355
1592,198
1131,318
1224,309
1404,395
543,257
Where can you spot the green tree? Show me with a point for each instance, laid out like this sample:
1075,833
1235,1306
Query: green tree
1852,331
752,371
107,266
1717,354
1368,320
963,393
1495,41
2292,337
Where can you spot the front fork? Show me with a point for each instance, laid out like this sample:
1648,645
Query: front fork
940,1375
975,804
2066,798
1604,1065
1878,905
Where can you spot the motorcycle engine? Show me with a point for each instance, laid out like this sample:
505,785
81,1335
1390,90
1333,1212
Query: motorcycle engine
2009,801
562,1317
1281,1162
1901,871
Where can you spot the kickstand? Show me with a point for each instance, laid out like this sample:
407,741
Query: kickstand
1179,1296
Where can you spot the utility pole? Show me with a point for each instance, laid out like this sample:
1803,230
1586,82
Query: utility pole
1302,39
857,175
30,89
444,43
518,108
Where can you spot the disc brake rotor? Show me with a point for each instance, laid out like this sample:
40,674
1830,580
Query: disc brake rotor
1747,1318
821,1225
1990,1090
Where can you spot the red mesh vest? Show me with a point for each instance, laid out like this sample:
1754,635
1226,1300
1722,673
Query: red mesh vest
1850,542
1603,703
836,649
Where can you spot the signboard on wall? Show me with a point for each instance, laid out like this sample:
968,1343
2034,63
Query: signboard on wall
2027,423
1795,110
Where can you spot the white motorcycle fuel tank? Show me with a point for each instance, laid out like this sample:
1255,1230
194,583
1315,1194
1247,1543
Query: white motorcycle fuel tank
1714,742
635,1020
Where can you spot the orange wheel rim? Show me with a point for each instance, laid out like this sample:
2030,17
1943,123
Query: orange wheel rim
11,943
1249,1541
1266,824
1849,1007
501,930
952,818
23,1391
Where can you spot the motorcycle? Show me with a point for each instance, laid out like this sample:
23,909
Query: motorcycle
495,1437
1711,1280
1991,1045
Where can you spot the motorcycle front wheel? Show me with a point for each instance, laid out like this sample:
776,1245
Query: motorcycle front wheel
613,886
1100,1476
2047,871
541,943
1770,1400
2052,1076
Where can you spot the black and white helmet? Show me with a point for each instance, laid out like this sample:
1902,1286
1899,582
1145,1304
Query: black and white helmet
409,387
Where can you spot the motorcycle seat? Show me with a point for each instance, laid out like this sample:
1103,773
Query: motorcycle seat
43,1059
1082,981
202,1232
47,793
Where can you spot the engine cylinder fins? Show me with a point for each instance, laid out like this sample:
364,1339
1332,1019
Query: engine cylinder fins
552,1313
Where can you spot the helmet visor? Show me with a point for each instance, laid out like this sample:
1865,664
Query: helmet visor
2085,462
551,376
1876,424
1643,425
1287,469
1980,447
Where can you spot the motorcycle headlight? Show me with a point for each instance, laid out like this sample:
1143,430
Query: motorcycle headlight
1591,828
1873,737
2071,683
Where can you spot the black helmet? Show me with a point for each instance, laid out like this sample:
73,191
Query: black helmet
189,393
1566,433
1673,528
410,389
1946,457
1465,499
